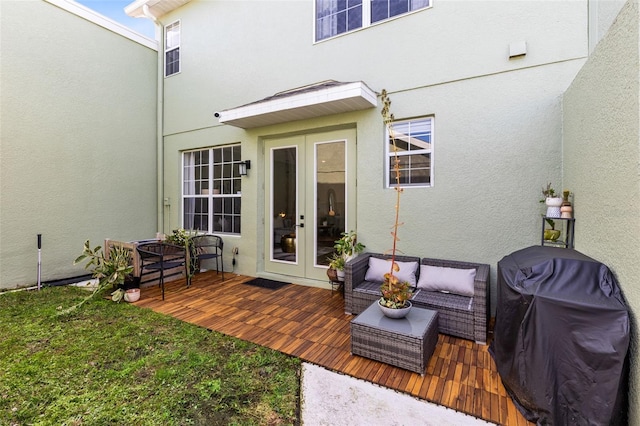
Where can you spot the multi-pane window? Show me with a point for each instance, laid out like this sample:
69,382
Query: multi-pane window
335,17
211,190
172,49
414,147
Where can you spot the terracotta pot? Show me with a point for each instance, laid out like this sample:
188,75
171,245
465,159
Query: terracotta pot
332,274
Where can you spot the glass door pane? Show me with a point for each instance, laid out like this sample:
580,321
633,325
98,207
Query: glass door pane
330,198
284,204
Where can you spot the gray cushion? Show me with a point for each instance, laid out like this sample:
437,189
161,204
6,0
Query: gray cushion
379,267
447,280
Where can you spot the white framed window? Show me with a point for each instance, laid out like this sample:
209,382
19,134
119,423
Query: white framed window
414,143
333,17
172,49
212,190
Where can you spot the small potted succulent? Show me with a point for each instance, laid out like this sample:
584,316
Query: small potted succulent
552,200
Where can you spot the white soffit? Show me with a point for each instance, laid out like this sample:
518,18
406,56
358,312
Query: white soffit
157,8
326,98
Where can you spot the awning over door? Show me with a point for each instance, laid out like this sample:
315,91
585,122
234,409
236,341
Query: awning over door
317,100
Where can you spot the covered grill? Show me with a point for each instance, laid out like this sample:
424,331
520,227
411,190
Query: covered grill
561,337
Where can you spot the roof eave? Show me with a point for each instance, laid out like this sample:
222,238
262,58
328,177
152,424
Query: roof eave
340,99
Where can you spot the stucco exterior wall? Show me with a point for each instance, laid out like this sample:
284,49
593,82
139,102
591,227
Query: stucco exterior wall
602,164
78,148
497,120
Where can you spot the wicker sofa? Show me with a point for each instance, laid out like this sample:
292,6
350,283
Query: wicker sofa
461,316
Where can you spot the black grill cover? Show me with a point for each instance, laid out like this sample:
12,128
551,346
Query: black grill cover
561,337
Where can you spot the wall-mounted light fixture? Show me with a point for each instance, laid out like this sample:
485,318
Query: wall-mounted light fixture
243,166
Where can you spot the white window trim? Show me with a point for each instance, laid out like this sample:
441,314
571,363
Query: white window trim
366,19
210,197
388,155
178,47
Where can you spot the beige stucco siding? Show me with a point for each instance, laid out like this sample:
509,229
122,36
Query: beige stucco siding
78,142
602,164
497,120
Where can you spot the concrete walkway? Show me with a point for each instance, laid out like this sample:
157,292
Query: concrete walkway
334,399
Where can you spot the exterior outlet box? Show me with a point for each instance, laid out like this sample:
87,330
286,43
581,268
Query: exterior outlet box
518,48
167,201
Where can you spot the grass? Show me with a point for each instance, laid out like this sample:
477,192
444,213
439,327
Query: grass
117,364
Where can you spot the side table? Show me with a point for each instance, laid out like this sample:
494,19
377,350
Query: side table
406,343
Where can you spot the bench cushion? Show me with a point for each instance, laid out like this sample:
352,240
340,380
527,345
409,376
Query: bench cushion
447,280
379,267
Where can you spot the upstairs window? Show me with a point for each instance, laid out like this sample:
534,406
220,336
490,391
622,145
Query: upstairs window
385,9
414,143
172,49
333,17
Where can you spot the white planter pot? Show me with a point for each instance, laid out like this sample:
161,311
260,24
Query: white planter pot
132,295
340,275
553,206
395,313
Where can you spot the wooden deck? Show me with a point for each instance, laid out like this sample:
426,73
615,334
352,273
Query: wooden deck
310,323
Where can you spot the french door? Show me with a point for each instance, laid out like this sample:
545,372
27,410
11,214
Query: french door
309,200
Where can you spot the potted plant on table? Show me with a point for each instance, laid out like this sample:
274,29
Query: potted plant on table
551,234
552,199
396,294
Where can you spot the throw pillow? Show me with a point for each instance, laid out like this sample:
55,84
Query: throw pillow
447,280
379,267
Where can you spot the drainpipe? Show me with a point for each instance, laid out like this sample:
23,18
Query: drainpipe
160,204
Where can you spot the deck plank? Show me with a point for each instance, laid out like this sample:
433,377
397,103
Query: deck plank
310,323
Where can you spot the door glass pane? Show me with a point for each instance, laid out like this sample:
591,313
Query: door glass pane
284,204
330,198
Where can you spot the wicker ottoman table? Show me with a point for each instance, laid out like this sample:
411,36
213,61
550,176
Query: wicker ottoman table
406,343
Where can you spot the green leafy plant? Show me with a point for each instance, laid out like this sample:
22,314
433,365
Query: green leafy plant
348,246
182,238
337,262
395,293
548,192
551,223
113,269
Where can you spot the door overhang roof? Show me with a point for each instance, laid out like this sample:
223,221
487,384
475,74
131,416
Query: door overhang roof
316,100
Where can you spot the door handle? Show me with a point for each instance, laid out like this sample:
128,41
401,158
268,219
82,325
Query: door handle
301,225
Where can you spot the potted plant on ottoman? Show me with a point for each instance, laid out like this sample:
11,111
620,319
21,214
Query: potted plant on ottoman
394,302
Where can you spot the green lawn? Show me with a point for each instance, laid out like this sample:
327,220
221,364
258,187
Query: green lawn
115,364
